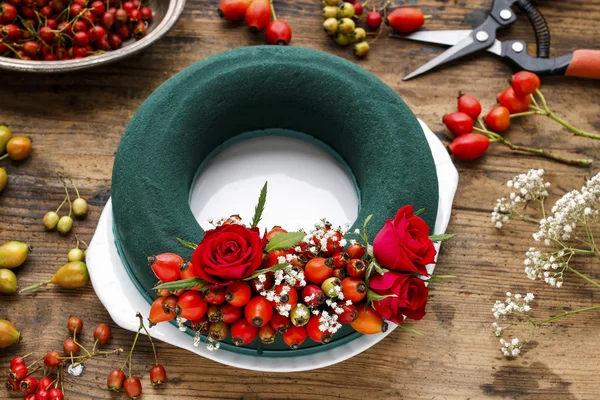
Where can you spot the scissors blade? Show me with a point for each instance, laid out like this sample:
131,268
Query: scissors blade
460,49
448,38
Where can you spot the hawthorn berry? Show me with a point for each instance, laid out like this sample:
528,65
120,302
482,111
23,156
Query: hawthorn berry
133,387
115,380
102,333
374,20
158,375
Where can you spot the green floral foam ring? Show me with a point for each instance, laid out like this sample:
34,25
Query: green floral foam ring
244,91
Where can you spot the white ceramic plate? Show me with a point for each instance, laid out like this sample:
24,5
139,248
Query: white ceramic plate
232,179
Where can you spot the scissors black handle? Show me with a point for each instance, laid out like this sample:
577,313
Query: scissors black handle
540,26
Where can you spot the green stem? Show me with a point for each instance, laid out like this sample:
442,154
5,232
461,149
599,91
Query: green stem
583,162
523,114
94,347
564,314
570,127
584,277
149,337
129,357
36,286
3,157
273,10
61,204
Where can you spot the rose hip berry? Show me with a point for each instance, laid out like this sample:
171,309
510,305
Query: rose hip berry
354,289
374,19
295,336
75,325
243,332
405,19
267,334
258,15
469,105
230,313
233,10
470,146
312,295
166,266
102,333
316,334
340,260
115,380
368,321
349,314
279,322
158,375
525,83
318,269
357,268
191,305
498,119
238,293
512,102
133,387
458,123
52,359
162,309
215,296
278,32
258,311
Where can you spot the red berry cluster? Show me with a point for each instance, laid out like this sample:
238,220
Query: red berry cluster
341,22
472,142
320,288
258,14
51,30
50,386
117,380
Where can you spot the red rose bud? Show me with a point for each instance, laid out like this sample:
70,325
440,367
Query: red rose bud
403,244
228,253
407,296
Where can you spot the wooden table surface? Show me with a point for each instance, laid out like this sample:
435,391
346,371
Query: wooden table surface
76,122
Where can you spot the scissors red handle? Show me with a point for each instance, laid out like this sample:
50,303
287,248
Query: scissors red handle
585,64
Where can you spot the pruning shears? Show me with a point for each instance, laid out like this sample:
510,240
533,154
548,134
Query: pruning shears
580,63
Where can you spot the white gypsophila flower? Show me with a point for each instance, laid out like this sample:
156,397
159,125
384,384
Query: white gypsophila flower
196,339
513,304
548,267
573,209
525,187
75,369
280,259
511,348
497,328
181,323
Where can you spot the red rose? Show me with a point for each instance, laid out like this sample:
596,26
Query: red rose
228,253
404,244
411,295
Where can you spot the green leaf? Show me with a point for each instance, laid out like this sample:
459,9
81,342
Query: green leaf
442,237
189,245
260,207
284,241
379,269
419,212
365,236
372,296
408,328
274,268
183,284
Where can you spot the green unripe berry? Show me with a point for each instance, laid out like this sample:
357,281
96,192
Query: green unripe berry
300,315
51,220
346,26
5,136
65,224
359,34
3,179
361,49
330,12
342,39
345,10
80,207
331,26
76,255
332,287
8,281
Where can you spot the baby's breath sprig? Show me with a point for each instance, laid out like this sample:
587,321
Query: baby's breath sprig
567,230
